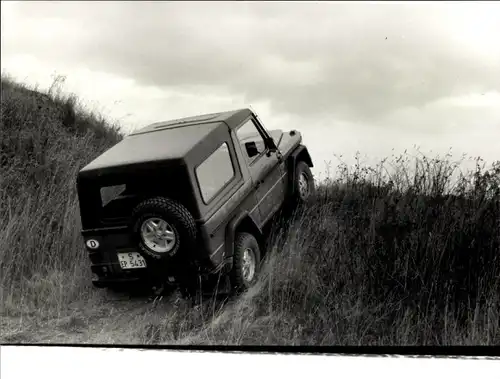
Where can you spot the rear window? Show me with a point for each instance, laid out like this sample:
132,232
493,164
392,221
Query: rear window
110,193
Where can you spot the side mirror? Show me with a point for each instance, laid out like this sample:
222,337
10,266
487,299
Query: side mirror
251,148
271,145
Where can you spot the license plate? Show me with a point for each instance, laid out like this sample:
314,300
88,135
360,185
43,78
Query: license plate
131,260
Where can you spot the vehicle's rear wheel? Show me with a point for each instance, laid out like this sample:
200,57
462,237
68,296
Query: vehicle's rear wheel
246,262
162,227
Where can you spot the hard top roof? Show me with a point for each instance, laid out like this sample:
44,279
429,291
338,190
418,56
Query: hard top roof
168,140
231,118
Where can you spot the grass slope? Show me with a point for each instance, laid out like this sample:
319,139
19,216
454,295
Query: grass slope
376,259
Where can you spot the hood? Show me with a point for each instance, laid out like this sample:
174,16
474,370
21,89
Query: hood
286,141
277,135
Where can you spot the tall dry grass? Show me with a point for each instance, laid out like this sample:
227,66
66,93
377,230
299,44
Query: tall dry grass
45,139
403,253
379,257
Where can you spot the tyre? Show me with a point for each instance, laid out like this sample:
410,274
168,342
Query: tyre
246,262
162,227
304,184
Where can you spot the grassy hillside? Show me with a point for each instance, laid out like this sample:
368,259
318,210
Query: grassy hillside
44,140
376,259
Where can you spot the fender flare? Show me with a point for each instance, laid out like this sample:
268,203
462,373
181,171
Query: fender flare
230,234
300,153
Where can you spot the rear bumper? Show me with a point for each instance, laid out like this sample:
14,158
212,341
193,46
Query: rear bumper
107,271
110,273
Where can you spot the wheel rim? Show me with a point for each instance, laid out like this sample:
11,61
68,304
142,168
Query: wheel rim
248,267
158,235
303,185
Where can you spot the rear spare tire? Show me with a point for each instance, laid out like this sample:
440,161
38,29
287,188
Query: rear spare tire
162,227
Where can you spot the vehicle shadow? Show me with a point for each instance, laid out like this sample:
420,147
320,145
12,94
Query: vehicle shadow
213,291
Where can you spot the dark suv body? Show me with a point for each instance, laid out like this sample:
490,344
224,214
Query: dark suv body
194,192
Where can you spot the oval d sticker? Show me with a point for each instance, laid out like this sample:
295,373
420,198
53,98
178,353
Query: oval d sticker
92,244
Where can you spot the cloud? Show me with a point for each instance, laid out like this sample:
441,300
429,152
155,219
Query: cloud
350,76
356,62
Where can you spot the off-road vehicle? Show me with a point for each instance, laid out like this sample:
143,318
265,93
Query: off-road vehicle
186,195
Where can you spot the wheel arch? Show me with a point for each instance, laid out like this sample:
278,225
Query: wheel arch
299,154
243,222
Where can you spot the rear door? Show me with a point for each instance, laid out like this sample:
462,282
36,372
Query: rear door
226,188
266,169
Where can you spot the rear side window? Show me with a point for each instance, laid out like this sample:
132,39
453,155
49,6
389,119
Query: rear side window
110,193
215,172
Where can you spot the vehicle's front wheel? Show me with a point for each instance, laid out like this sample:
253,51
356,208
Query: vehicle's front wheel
246,262
304,184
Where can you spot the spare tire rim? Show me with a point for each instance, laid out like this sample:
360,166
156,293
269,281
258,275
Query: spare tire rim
248,266
158,235
303,185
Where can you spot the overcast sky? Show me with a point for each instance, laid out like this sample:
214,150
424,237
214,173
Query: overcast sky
350,76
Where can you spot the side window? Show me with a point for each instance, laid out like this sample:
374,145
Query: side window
250,139
215,172
110,193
